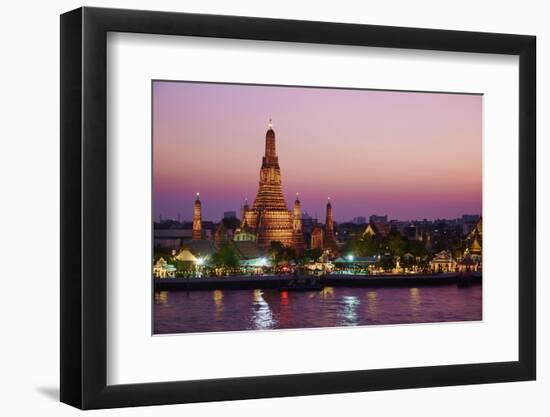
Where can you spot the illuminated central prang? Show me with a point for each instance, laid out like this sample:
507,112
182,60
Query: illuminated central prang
269,216
269,219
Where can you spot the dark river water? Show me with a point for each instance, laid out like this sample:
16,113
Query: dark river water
230,310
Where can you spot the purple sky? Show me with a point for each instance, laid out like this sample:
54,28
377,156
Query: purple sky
407,155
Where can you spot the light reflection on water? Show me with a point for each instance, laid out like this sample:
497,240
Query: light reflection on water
414,301
350,306
217,297
371,304
230,310
261,313
161,297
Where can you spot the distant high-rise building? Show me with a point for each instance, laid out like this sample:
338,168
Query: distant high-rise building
229,214
378,219
307,222
470,217
359,220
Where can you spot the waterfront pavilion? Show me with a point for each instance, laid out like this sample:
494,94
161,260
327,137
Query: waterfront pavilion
163,269
355,264
443,262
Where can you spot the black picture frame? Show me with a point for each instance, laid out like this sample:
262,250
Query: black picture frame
84,207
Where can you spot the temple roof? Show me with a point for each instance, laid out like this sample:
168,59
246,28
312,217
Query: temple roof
377,228
475,246
247,250
244,228
477,230
186,256
200,247
231,223
443,256
161,262
475,238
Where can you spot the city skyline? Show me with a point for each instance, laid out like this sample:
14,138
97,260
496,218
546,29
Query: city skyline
315,216
411,156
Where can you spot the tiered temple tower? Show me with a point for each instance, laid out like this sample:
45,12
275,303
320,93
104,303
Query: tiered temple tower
297,235
269,216
197,220
330,238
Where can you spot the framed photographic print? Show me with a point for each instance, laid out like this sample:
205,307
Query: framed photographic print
256,207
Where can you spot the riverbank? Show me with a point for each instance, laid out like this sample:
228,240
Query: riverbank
282,281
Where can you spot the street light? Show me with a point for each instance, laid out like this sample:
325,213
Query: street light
200,263
350,257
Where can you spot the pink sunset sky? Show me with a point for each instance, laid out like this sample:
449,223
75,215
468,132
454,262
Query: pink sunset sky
404,154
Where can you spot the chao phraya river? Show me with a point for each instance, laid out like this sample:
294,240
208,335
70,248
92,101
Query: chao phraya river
231,310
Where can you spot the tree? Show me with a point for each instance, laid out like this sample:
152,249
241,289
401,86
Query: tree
396,243
276,252
387,262
162,253
407,261
417,248
364,246
183,267
457,249
289,254
313,254
225,257
424,262
280,253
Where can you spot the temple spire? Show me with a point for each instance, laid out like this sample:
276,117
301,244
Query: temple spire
330,238
269,216
297,215
297,237
329,222
270,156
197,219
244,211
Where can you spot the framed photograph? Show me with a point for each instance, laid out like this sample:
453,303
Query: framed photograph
256,207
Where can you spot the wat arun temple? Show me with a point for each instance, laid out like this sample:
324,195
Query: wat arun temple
269,219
